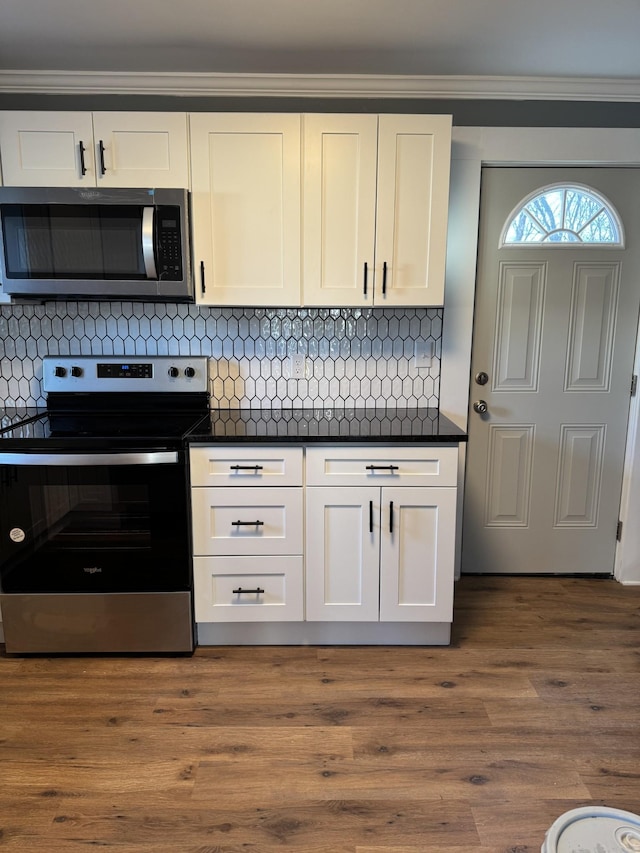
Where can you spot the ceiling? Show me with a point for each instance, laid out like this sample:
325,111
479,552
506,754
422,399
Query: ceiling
567,39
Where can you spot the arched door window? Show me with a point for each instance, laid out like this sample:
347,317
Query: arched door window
563,214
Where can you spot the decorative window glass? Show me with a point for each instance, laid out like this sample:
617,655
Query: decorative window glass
563,214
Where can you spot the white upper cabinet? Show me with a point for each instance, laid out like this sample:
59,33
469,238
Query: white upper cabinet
376,198
246,176
47,149
340,166
110,149
141,149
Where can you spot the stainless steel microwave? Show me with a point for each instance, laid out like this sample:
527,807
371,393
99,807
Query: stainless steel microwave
81,243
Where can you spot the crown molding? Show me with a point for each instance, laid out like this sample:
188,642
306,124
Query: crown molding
182,84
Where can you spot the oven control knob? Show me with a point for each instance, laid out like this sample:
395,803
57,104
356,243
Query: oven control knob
76,371
60,371
189,372
173,372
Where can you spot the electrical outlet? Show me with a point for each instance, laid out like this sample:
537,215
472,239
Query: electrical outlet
297,365
423,353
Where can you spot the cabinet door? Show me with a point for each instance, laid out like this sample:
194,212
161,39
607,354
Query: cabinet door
414,155
342,554
141,149
47,149
246,182
340,155
417,554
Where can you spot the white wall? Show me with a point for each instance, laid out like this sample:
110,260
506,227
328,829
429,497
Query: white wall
473,147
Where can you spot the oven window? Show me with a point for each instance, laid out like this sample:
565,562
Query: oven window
96,515
65,241
96,528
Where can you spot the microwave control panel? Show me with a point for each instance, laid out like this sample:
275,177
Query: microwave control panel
168,243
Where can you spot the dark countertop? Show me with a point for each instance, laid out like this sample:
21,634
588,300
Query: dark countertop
27,426
331,425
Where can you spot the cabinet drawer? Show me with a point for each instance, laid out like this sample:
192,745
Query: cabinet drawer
248,589
246,466
246,521
384,466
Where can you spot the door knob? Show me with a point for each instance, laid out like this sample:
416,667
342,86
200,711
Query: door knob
480,407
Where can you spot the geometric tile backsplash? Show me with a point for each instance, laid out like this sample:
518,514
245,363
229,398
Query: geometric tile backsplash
354,357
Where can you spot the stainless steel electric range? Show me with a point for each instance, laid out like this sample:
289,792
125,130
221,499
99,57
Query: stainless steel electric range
94,528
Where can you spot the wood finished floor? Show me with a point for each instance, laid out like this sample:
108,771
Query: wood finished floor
533,710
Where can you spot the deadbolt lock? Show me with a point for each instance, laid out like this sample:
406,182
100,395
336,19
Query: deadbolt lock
482,378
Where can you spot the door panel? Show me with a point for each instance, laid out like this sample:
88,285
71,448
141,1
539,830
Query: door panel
416,554
141,149
343,554
43,148
246,182
580,466
340,156
554,329
509,475
414,153
591,336
519,326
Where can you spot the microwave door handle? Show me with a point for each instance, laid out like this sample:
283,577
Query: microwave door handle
148,222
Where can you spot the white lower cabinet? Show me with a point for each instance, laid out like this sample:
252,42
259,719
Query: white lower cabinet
380,552
363,552
247,534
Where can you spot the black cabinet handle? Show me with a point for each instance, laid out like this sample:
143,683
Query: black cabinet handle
245,467
103,168
384,278
366,271
83,167
370,516
239,591
382,467
390,516
202,284
247,523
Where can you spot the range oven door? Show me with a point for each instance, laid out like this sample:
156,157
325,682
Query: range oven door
113,522
94,553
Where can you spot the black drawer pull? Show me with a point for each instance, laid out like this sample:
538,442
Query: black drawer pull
239,591
382,467
247,523
366,272
390,516
370,516
245,467
384,278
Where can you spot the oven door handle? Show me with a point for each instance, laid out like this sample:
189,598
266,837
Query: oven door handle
163,457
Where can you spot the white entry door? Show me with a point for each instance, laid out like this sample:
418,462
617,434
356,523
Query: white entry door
554,341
